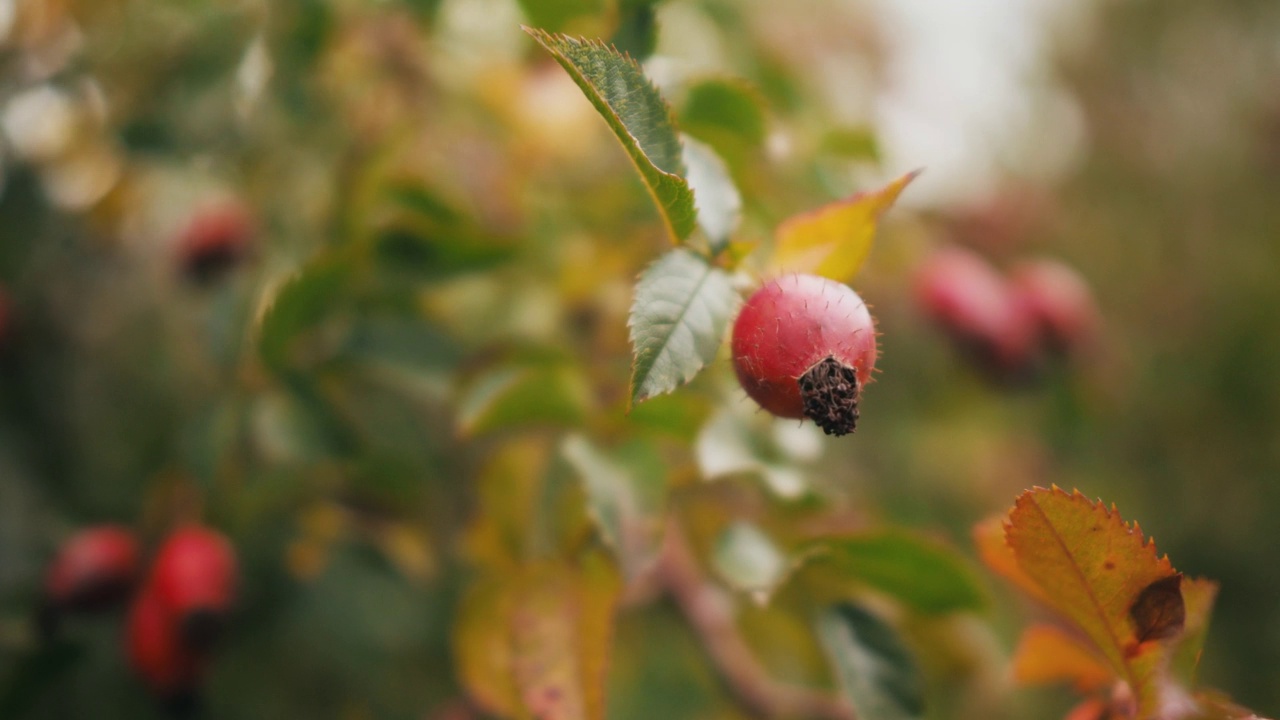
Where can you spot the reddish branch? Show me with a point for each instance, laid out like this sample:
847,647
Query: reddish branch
710,613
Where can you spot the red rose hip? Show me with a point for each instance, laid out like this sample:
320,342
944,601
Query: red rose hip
94,569
804,346
194,581
217,237
1059,301
156,652
969,299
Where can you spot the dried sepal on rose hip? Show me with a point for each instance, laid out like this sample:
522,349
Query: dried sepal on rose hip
804,347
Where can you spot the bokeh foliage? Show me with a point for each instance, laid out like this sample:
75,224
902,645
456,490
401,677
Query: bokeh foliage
409,408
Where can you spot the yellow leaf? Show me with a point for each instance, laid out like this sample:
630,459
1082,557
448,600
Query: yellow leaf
482,647
562,631
1093,568
834,240
1048,654
507,489
534,642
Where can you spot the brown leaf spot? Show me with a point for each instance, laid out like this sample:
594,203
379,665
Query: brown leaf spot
1159,613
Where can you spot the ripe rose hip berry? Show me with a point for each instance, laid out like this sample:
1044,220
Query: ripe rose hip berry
1059,301
216,238
804,346
171,671
194,581
94,569
969,299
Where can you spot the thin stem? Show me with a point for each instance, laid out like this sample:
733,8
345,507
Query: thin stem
710,613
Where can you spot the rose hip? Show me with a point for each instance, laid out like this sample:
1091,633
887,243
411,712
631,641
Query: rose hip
804,346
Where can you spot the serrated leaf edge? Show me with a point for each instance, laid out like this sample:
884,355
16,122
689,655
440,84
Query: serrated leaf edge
1112,515
633,397
543,38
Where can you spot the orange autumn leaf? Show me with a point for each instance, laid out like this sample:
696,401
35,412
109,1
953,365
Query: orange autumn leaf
1091,709
994,551
1048,654
834,240
1093,568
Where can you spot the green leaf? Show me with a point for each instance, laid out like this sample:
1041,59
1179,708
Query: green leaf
678,416
638,116
512,397
875,670
719,108
747,559
418,237
719,204
556,14
854,143
300,306
637,33
414,254
678,319
624,499
924,575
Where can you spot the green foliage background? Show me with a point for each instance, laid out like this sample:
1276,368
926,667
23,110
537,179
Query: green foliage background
398,394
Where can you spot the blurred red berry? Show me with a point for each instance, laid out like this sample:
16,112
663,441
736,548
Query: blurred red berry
969,299
216,238
804,346
94,570
194,580
170,670
1060,302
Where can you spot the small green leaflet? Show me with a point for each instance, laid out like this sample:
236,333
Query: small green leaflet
924,575
300,305
873,667
638,116
626,502
681,308
719,204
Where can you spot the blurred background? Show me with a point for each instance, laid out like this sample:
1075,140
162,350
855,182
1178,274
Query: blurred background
339,278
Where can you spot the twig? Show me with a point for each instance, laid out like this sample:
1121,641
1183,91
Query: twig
709,611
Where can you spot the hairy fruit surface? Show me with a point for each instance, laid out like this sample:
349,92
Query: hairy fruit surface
804,346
